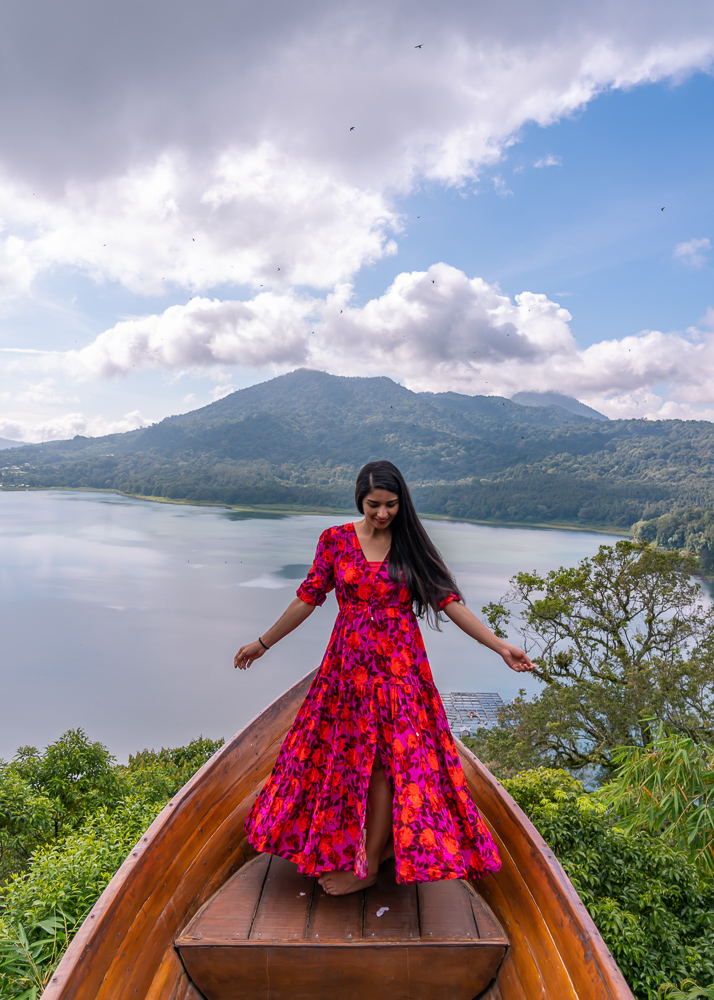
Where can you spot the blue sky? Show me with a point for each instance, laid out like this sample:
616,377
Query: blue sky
177,222
591,226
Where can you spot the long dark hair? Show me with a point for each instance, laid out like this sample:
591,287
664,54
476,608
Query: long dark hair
414,560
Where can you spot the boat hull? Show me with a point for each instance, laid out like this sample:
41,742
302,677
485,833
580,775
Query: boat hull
125,947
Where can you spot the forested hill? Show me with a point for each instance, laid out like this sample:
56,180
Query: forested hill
299,439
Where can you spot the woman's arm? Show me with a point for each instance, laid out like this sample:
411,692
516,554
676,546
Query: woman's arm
295,614
467,621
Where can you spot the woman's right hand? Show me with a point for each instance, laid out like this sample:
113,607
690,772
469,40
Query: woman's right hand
246,654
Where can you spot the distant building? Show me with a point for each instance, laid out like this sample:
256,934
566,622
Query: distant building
467,710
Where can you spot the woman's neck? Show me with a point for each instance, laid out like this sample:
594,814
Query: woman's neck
375,542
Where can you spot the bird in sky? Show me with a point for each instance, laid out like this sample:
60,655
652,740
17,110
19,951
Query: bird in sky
662,209
352,128
417,46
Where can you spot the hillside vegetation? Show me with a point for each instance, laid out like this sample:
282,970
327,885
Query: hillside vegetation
298,440
683,530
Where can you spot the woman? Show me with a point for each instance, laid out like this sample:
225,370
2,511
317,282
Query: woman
369,767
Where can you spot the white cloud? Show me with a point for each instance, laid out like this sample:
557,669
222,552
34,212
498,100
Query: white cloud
251,217
228,154
691,252
269,329
432,330
66,426
549,161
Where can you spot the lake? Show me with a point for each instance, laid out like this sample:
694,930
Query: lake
122,616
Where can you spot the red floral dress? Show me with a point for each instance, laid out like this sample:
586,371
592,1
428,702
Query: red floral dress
374,690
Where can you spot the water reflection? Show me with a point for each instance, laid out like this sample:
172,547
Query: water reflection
122,616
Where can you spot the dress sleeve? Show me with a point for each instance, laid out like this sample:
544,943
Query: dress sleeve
321,578
447,600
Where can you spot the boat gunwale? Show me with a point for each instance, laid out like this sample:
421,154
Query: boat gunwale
93,952
542,856
96,926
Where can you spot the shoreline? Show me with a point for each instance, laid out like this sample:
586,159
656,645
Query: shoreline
294,510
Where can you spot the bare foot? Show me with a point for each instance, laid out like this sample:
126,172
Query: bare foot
341,883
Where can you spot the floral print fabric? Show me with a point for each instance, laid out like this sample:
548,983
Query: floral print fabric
373,693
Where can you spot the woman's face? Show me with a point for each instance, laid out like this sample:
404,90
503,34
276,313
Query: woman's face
380,508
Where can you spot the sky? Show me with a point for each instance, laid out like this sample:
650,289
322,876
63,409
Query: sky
484,197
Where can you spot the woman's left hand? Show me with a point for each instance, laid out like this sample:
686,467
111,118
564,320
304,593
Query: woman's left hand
517,659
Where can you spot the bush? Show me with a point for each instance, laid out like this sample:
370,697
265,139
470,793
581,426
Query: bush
653,905
58,878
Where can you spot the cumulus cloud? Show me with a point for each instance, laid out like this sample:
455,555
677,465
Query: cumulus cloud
548,161
250,217
269,329
693,252
66,426
432,330
212,150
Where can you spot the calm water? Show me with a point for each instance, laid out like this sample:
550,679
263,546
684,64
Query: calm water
122,616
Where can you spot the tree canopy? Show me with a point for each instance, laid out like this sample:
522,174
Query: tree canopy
620,640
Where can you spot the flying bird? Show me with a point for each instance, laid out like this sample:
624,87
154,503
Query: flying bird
417,46
662,209
352,128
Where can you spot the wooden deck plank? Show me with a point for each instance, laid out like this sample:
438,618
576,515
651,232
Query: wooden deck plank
284,907
397,908
229,914
335,918
445,912
489,928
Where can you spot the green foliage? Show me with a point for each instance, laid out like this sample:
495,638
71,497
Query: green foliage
691,530
26,820
688,990
155,776
653,905
28,955
298,441
75,774
60,871
620,639
667,788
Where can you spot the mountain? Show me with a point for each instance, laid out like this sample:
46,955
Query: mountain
7,443
568,403
298,441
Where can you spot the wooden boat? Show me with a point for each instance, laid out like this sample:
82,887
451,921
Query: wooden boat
193,912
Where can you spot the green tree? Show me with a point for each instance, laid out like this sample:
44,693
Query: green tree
76,774
621,639
26,820
652,904
690,529
667,788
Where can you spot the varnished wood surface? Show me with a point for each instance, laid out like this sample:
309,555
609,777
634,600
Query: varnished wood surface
187,853
269,901
556,950
125,947
271,932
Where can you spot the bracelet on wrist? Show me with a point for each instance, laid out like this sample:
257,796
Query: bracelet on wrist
262,643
